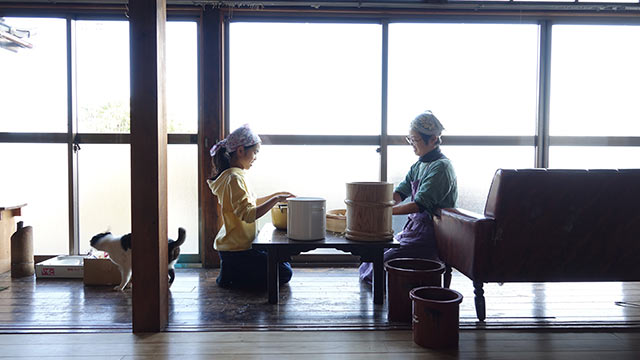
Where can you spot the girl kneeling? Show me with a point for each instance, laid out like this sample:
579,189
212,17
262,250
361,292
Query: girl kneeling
240,265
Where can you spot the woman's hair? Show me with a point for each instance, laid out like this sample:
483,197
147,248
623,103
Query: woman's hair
426,138
222,161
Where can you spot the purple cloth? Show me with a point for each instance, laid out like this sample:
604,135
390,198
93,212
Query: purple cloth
417,240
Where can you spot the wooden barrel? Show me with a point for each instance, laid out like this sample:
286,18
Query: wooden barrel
369,211
22,252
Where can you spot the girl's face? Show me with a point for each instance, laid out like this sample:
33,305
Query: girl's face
246,157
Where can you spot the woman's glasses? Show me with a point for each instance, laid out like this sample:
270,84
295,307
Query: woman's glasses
412,140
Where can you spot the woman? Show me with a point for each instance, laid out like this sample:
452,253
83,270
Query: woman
431,184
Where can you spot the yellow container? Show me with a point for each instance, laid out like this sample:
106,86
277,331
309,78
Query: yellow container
279,216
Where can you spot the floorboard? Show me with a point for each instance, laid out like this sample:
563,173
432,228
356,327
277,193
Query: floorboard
315,299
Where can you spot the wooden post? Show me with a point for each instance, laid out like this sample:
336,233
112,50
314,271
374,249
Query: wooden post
147,20
211,100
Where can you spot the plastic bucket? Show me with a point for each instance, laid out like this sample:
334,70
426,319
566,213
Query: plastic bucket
405,274
436,317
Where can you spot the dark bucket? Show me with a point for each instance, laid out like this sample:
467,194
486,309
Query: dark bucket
436,317
404,274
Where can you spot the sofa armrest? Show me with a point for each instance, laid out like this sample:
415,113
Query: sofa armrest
463,239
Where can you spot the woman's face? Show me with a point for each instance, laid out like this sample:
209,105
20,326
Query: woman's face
246,157
419,146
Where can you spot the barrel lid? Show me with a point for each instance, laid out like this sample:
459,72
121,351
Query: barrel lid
306,199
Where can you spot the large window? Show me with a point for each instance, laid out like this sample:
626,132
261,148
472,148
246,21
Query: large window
305,78
35,99
595,81
105,191
181,76
104,169
182,194
594,157
315,89
102,50
34,80
478,79
36,174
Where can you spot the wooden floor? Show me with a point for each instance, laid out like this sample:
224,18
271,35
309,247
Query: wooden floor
316,299
392,344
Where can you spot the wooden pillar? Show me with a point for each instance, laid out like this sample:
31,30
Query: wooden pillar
147,20
211,108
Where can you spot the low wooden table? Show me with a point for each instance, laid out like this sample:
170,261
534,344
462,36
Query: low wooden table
280,249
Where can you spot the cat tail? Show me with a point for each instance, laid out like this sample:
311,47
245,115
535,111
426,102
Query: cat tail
182,236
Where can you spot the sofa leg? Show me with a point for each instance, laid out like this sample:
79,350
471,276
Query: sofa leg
479,300
447,276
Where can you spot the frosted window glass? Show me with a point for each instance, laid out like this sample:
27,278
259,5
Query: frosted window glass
181,76
594,157
102,67
305,78
474,167
36,174
479,79
34,81
104,191
594,81
315,171
182,202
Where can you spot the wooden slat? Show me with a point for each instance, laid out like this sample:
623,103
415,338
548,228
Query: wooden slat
210,126
148,165
342,345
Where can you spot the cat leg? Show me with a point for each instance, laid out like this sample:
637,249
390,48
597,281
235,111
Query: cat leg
125,276
172,276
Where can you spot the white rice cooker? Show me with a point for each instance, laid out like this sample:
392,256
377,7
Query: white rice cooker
306,218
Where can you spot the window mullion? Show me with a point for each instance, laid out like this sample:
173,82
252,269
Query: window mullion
72,130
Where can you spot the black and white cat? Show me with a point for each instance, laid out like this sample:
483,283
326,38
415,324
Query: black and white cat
119,250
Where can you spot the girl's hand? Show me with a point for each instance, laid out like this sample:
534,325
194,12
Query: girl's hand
283,195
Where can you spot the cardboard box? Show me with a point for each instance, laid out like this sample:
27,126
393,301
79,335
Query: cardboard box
100,272
62,266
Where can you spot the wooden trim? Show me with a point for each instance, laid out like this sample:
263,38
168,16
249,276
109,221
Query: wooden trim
72,148
384,87
544,95
210,126
148,165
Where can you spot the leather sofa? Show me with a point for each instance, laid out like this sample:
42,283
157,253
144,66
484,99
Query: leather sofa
542,225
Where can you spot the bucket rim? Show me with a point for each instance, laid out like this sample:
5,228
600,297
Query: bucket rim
439,268
456,300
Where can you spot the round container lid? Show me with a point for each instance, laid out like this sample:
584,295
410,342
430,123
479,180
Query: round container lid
306,199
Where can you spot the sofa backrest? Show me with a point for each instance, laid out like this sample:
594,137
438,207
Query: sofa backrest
565,225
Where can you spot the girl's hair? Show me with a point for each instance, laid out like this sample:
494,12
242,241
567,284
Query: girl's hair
426,138
222,161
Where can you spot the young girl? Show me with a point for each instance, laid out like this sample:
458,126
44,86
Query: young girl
431,183
240,265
